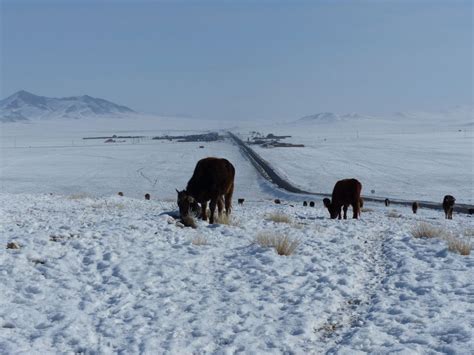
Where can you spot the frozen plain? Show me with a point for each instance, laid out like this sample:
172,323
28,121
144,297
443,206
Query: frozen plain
418,157
101,274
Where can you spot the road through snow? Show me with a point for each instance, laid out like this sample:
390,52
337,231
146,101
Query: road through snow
268,172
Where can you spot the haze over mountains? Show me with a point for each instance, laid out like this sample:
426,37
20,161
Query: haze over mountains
330,117
25,106
458,115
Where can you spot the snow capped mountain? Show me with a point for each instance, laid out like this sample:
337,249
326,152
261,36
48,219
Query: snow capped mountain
23,106
322,117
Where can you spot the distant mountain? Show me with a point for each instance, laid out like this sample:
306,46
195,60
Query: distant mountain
455,114
23,106
330,117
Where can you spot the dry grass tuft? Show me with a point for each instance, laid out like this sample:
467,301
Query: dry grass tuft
460,246
278,218
199,240
365,210
328,328
62,237
455,243
224,218
264,240
189,221
13,245
285,245
469,232
282,244
425,230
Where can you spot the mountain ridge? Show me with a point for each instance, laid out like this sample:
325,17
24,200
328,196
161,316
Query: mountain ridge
24,106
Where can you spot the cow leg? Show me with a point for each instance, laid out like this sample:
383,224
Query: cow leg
220,205
339,213
204,210
212,207
355,210
345,211
228,199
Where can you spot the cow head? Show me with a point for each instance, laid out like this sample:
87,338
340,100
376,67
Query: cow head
449,200
332,210
185,202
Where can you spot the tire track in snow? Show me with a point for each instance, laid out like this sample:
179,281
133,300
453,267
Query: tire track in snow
152,182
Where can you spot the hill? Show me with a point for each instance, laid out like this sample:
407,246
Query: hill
24,106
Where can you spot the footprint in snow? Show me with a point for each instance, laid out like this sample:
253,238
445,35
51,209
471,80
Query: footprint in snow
33,289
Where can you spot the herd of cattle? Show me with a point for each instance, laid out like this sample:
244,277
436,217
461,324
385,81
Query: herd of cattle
213,180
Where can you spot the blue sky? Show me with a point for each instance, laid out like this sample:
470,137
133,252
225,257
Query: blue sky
242,59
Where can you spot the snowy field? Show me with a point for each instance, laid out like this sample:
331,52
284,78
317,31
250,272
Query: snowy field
47,158
396,158
101,274
118,275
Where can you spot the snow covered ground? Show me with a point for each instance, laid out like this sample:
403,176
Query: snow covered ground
118,275
411,158
52,157
97,273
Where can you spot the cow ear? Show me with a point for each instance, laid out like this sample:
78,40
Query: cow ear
177,190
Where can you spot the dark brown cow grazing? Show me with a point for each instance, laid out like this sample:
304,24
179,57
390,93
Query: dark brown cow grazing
448,206
387,202
213,179
414,206
346,192
277,201
241,201
470,211
120,193
311,203
305,203
147,196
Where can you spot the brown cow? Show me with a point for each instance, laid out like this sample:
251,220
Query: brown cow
120,193
414,207
213,179
277,201
311,203
387,202
305,203
346,192
241,201
147,196
448,206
